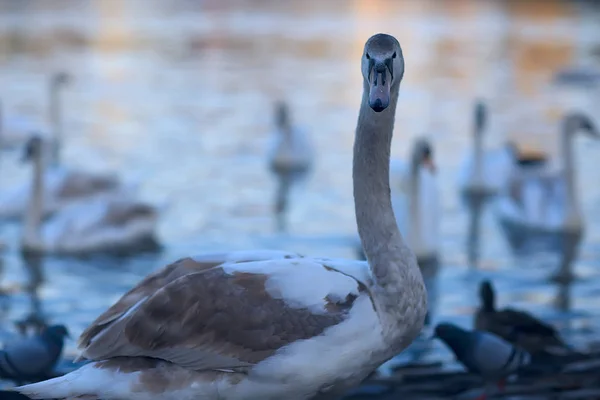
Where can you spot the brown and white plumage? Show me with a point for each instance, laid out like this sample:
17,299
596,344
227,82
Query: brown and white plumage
269,325
112,223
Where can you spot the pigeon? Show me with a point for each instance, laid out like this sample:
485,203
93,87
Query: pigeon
31,358
483,353
517,327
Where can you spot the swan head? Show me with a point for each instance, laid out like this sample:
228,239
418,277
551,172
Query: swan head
480,116
33,148
579,122
382,69
61,78
422,155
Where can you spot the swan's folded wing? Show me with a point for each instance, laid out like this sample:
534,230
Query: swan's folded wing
231,316
159,279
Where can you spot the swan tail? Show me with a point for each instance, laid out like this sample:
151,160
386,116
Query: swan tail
87,382
57,388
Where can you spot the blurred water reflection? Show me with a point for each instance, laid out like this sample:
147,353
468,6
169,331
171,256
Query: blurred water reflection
179,93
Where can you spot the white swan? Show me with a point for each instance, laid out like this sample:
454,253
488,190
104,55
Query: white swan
484,172
269,325
541,201
415,202
290,159
97,224
62,184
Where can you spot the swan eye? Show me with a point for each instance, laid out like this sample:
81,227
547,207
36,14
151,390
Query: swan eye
368,56
394,55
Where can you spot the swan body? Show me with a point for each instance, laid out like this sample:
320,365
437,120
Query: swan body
98,225
101,223
544,201
62,187
290,160
269,325
415,202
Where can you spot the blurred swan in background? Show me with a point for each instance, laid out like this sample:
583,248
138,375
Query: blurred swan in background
290,159
483,172
415,201
98,224
543,201
62,184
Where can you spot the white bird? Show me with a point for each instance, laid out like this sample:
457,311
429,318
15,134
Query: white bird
484,172
102,223
63,184
415,201
290,159
543,202
269,325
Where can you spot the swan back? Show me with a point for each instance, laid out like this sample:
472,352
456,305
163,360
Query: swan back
99,223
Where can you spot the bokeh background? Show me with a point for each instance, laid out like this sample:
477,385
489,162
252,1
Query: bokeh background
179,95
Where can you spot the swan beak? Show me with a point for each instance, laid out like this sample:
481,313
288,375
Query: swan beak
429,164
379,93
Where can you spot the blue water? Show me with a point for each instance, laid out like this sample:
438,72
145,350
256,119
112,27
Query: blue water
180,97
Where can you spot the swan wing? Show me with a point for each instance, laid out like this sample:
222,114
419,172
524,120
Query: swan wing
81,183
202,315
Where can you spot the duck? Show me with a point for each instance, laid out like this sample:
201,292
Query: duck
98,224
290,160
483,354
415,201
269,324
63,184
543,203
517,327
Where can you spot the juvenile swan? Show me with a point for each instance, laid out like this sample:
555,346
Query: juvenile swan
269,325
96,225
543,202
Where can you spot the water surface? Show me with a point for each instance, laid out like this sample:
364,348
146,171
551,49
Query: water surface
179,95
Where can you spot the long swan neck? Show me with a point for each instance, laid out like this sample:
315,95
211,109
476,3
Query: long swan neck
393,264
569,168
55,121
33,218
477,152
414,216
